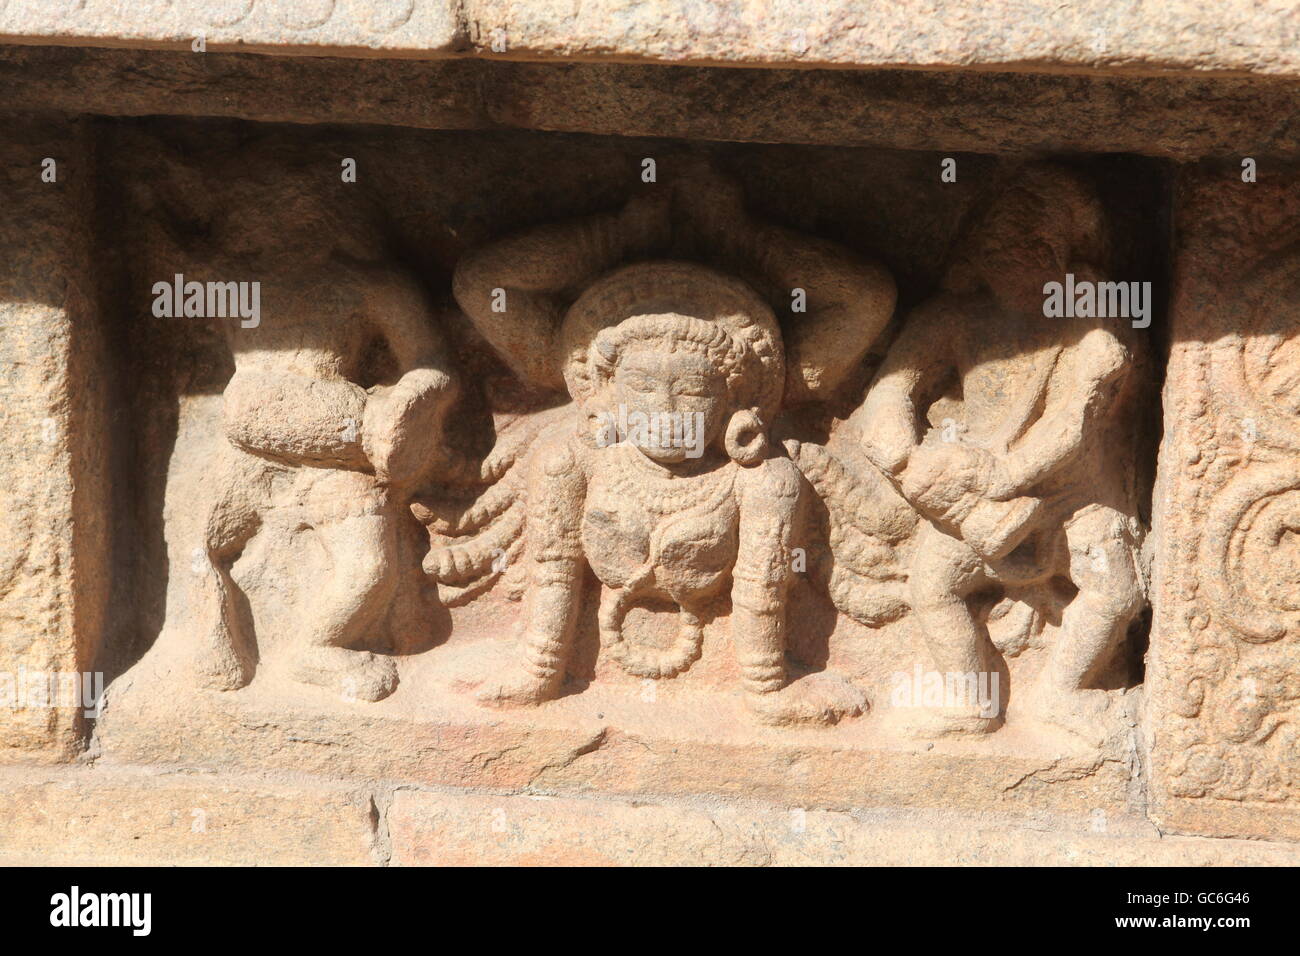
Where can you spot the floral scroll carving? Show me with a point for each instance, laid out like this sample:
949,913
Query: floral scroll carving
1226,643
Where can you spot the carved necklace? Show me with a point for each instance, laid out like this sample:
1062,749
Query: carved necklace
635,479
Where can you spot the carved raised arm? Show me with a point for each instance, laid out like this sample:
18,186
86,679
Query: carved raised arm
1093,369
891,418
848,300
515,291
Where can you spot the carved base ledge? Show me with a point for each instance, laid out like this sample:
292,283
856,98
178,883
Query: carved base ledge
606,739
177,816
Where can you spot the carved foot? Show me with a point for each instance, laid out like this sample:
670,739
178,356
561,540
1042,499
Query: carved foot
518,687
356,675
217,666
1082,713
815,699
927,723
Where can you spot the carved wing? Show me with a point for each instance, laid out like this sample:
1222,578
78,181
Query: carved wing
477,530
866,523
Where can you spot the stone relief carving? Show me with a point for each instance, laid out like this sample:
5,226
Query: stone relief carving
922,515
678,344
1030,481
981,495
1234,686
331,457
1225,690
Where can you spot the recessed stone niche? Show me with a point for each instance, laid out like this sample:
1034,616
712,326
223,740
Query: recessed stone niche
548,469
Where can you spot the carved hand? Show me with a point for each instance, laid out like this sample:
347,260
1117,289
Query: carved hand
946,481
888,444
402,431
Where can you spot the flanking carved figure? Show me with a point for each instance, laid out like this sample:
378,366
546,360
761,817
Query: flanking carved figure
1011,434
316,434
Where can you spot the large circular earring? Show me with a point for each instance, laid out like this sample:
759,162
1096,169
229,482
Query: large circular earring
601,422
746,438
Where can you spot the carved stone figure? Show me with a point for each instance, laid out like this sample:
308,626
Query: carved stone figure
712,511
310,438
1007,431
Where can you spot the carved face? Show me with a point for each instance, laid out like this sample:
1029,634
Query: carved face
673,405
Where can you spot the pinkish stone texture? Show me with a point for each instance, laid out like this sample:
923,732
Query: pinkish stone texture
512,434
1224,694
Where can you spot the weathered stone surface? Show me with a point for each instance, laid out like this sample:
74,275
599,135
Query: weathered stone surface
54,496
1175,116
444,829
737,621
424,27
143,817
1200,35
1093,34
1185,117
710,489
1224,739
611,739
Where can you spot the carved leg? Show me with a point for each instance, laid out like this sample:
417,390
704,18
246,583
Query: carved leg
1102,567
823,698
226,654
538,670
361,583
760,651
535,676
760,583
944,575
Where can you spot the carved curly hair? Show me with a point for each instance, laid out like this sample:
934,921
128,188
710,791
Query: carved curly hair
672,333
679,306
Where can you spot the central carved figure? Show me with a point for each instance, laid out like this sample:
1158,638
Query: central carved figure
678,340
682,513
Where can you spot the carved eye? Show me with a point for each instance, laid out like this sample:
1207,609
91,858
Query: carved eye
638,383
695,387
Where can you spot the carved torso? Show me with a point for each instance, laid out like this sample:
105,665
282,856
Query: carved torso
646,532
